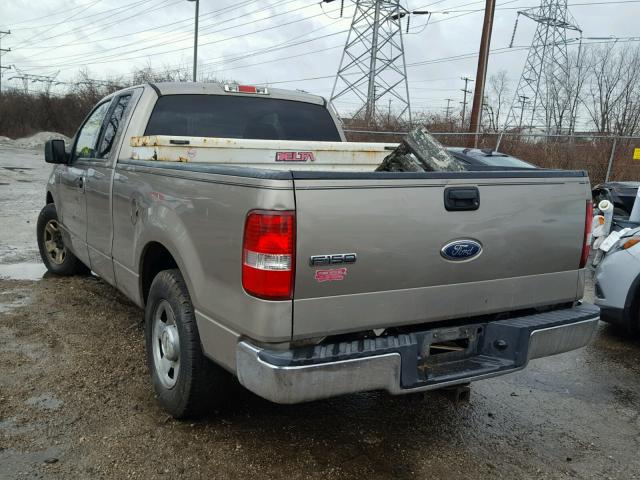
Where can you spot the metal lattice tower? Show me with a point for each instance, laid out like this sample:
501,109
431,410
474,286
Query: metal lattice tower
546,67
27,78
373,66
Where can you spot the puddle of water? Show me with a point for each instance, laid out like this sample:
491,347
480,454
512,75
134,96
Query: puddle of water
12,426
46,401
17,169
8,306
22,271
26,465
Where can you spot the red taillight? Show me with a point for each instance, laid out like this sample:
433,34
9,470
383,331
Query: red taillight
586,246
268,254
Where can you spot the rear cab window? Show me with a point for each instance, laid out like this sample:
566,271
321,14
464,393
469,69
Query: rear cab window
234,116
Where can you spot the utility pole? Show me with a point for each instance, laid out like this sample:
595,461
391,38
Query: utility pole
523,100
370,110
447,110
481,74
465,90
3,50
195,40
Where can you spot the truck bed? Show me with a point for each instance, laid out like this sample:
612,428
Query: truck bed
530,225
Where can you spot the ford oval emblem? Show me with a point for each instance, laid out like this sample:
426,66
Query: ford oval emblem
459,250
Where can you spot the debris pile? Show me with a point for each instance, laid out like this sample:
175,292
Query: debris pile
34,141
420,152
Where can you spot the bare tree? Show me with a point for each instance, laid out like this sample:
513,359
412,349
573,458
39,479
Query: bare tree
625,114
497,100
565,89
614,102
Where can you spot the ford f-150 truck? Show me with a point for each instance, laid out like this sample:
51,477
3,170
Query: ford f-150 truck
263,245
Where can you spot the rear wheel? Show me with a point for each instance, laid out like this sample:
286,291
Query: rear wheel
187,384
54,253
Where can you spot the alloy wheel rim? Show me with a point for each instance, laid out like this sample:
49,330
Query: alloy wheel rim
53,244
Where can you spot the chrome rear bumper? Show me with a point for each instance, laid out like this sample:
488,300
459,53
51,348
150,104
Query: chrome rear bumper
404,363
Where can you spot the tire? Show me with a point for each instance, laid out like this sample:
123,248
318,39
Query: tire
55,255
186,383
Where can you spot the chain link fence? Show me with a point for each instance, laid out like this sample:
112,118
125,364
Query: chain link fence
605,158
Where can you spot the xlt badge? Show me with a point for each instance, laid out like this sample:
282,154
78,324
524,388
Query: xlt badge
333,259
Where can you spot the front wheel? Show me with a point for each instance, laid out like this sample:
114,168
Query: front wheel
186,383
54,253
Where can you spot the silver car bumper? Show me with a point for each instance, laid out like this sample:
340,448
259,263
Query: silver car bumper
405,363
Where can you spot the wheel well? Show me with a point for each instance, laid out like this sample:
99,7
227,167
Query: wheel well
49,198
154,259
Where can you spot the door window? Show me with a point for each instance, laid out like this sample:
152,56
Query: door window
112,125
89,133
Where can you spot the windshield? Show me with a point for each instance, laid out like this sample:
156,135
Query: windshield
232,116
500,160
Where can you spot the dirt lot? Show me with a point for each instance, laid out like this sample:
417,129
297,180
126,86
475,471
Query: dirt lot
76,401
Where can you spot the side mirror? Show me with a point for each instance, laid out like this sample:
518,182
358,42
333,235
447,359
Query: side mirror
54,152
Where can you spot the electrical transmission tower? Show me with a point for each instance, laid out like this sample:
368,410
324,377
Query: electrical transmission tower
546,70
373,66
3,50
27,78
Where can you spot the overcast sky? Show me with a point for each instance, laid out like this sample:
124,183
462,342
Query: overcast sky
113,37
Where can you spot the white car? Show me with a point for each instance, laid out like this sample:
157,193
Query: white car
617,288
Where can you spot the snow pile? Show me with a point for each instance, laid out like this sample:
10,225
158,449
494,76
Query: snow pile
4,140
38,140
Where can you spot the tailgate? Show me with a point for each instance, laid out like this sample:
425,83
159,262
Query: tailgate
520,248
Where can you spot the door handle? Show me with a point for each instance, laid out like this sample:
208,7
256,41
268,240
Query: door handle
80,183
461,198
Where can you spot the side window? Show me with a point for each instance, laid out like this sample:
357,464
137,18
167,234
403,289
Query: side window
88,135
111,128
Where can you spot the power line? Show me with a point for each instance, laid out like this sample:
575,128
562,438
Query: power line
61,12
145,30
62,22
185,35
457,57
118,56
295,42
104,59
102,26
59,22
443,59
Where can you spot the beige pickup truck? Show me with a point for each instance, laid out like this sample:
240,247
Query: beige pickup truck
263,246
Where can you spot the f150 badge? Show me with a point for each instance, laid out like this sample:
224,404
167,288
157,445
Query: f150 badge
460,250
332,259
295,157
332,274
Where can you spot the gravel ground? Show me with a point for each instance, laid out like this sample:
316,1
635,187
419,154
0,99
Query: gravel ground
76,400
